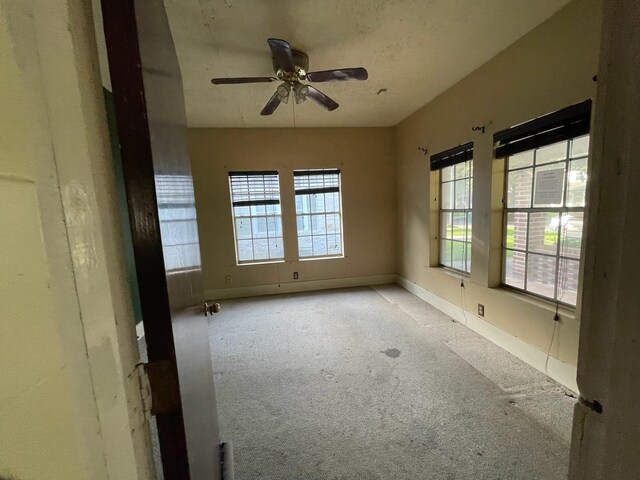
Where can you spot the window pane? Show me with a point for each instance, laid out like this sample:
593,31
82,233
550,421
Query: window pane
468,266
317,203
580,146
447,196
258,210
461,194
334,246
462,170
276,249
524,159
549,186
245,250
243,228
259,227
516,235
445,252
519,187
320,245
543,232
333,223
514,268
469,226
571,234
541,275
261,249
302,204
568,281
332,202
551,153
304,224
274,226
577,183
458,256
273,209
318,224
241,211
305,248
446,227
459,226
446,174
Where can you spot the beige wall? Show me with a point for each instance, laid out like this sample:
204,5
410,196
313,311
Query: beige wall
549,68
70,404
365,158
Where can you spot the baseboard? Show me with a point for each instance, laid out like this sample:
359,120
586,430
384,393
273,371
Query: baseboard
562,372
303,286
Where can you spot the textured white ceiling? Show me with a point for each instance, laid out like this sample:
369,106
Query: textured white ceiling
416,49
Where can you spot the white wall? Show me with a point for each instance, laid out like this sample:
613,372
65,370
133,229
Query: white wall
70,404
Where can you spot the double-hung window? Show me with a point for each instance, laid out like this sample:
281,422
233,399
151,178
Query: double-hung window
257,216
456,192
546,179
178,222
318,213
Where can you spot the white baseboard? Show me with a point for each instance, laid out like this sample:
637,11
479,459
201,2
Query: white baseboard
304,286
562,372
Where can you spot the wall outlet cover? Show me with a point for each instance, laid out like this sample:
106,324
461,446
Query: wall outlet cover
480,310
295,275
227,279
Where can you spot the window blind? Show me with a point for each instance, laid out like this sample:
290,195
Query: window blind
311,182
453,156
254,188
570,122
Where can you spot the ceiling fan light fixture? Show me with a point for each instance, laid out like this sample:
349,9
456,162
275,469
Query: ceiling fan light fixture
283,92
300,92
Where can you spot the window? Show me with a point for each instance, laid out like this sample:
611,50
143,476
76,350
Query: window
257,217
178,223
456,186
318,206
545,200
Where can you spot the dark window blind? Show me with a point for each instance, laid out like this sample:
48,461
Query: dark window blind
453,156
570,122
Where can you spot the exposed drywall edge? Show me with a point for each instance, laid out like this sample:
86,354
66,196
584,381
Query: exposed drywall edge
562,372
305,286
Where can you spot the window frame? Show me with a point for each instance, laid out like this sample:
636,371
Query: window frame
467,242
563,209
320,171
266,216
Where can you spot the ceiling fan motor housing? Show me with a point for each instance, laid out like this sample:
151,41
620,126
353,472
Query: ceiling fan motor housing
300,60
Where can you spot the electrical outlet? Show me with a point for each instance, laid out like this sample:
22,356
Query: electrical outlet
295,275
227,279
480,310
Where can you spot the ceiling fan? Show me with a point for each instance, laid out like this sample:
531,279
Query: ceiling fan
290,67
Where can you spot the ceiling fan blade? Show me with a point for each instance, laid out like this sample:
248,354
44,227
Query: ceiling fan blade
236,80
271,105
281,51
321,99
339,75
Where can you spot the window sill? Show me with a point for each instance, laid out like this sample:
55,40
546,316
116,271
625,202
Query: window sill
549,305
452,272
331,257
254,263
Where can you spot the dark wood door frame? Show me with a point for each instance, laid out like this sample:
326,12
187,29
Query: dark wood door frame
125,67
